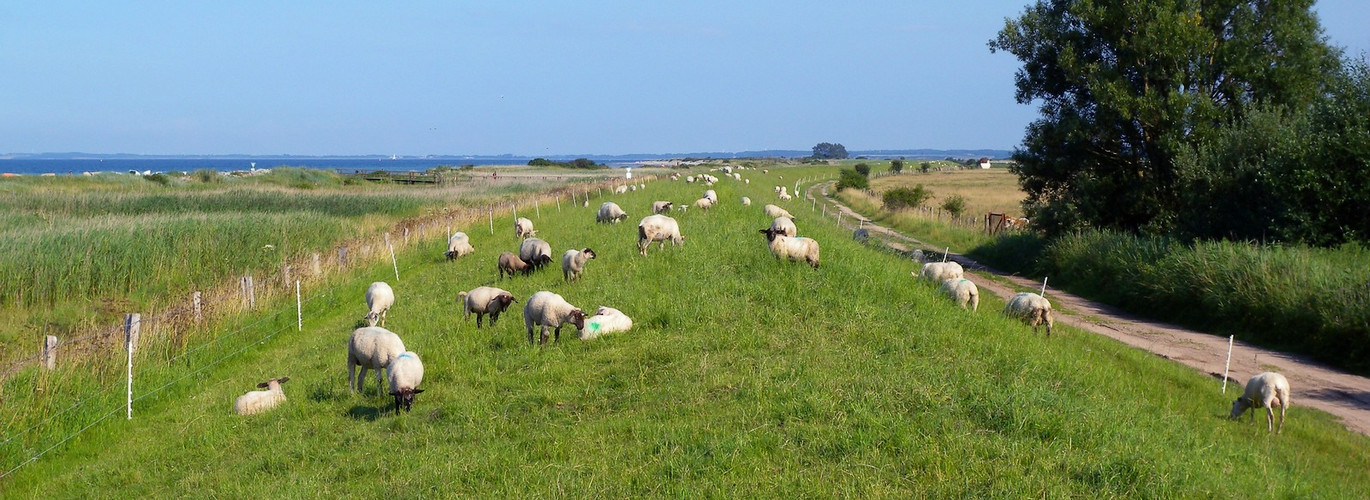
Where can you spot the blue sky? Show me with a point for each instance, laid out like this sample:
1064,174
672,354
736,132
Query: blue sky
526,78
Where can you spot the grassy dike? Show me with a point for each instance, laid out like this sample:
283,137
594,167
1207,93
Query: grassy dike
743,377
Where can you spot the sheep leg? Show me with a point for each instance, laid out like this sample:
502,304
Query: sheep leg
361,379
556,332
542,335
351,374
479,315
1280,430
380,381
494,316
1269,419
530,334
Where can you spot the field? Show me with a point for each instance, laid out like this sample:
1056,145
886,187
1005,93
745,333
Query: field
742,377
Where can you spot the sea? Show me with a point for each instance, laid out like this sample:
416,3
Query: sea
70,166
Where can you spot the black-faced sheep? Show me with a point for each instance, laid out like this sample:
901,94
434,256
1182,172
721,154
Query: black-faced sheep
1033,309
610,212
794,248
658,228
546,309
458,245
405,374
510,263
259,401
535,252
1266,390
371,348
962,291
573,263
485,300
379,298
660,207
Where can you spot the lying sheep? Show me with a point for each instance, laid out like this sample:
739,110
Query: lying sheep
1033,309
939,272
785,226
547,309
523,228
773,211
785,197
621,189
406,373
458,245
657,228
605,320
573,263
746,202
379,298
255,402
659,207
535,252
711,195
1266,390
704,204
510,263
372,348
610,212
485,300
962,291
792,248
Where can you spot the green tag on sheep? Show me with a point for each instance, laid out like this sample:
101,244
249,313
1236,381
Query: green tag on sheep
594,327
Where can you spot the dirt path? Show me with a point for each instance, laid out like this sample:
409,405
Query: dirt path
1314,385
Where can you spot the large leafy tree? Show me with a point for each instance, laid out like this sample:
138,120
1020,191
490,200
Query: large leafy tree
829,151
1125,87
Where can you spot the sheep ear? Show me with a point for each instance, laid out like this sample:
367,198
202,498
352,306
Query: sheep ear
262,385
416,391
393,393
284,380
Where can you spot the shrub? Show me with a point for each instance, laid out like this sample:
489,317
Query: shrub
955,205
925,167
158,178
901,198
849,178
897,166
863,169
207,176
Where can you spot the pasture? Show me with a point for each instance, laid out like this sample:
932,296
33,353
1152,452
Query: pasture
743,376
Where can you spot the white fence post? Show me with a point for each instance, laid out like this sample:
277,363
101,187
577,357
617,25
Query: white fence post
131,326
299,309
1228,366
392,256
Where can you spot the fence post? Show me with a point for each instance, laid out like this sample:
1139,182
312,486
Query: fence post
315,265
406,237
342,256
299,309
131,326
392,256
199,306
285,274
538,207
249,295
50,352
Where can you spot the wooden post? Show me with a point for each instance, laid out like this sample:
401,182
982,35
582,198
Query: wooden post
406,236
285,274
315,265
249,295
196,305
50,352
342,256
492,219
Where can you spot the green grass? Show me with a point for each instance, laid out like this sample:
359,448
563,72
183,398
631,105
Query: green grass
743,377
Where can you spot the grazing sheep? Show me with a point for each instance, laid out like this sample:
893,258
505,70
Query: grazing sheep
372,348
259,401
535,252
621,189
785,197
379,298
510,263
785,226
573,263
406,373
458,245
737,176
547,309
690,179
1266,390
861,235
792,248
746,202
1033,309
610,212
962,291
632,187
747,181
704,204
523,228
660,207
658,228
939,272
773,211
711,195
605,320
485,300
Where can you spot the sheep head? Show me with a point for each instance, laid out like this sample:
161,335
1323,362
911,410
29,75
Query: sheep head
1239,407
277,381
404,398
770,233
590,253
577,318
501,302
371,318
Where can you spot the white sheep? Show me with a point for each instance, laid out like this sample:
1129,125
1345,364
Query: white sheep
939,272
621,189
704,204
962,291
458,245
711,195
259,401
371,348
405,374
785,226
379,298
690,179
1033,309
660,207
523,228
785,197
610,212
535,252
1266,390
485,300
746,202
605,320
546,309
658,228
773,211
573,263
792,248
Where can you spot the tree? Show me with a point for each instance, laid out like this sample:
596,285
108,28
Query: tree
830,151
954,205
901,198
1125,87
925,167
897,166
848,178
863,169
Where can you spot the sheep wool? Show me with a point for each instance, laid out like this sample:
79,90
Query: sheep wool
785,226
406,373
658,228
371,348
773,211
1033,309
1266,390
255,402
459,245
510,264
379,298
611,213
792,248
485,300
573,263
606,320
546,309
535,252
939,272
523,228
963,292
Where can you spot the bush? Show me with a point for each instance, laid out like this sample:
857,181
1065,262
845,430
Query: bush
207,176
540,162
955,205
158,178
925,167
901,198
849,178
897,166
863,169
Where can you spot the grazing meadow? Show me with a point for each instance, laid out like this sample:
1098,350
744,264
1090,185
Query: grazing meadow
743,376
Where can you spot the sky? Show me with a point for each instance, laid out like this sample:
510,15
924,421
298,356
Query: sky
524,78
